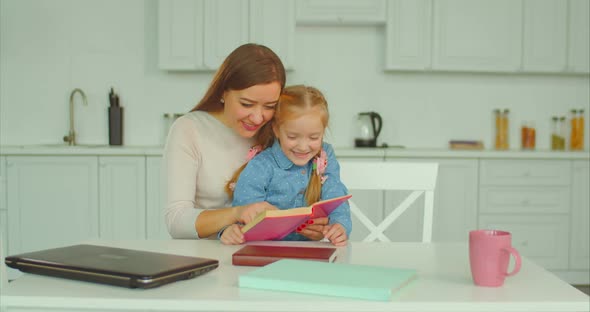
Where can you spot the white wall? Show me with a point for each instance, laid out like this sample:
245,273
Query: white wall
49,47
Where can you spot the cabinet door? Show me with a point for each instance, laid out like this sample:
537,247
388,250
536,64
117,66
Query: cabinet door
580,235
52,201
545,35
156,200
180,34
272,23
455,203
122,197
544,239
408,34
2,183
579,36
477,35
340,12
226,28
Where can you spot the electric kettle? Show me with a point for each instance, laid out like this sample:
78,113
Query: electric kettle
368,129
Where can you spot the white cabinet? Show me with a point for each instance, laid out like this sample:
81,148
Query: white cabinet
579,36
180,34
122,197
226,28
408,35
545,36
52,201
2,183
530,199
455,203
340,12
272,23
477,35
156,200
580,218
199,34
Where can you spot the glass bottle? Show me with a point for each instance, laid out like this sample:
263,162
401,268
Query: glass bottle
581,129
505,128
554,133
574,130
499,139
562,131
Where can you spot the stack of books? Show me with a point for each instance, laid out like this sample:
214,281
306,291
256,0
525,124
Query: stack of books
466,144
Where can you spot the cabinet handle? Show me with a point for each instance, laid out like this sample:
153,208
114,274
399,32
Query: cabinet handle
524,244
526,174
525,202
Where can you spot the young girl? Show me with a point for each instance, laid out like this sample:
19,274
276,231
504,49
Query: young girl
296,170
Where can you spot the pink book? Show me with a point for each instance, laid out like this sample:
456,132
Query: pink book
276,224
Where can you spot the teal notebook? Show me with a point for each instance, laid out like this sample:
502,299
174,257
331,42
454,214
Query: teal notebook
330,279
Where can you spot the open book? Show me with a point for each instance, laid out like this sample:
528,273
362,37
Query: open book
276,224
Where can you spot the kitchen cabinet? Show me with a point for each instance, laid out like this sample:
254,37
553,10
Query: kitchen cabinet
2,183
580,216
408,35
342,12
156,200
481,35
530,199
122,197
545,36
579,36
52,201
199,34
455,203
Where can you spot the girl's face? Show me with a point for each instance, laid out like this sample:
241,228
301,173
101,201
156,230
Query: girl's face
247,110
301,138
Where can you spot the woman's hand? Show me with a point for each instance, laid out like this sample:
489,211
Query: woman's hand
232,235
313,229
336,234
245,214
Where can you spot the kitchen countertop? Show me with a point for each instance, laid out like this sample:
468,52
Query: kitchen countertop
377,153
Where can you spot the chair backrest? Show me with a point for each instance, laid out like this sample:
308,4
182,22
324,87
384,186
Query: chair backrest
420,178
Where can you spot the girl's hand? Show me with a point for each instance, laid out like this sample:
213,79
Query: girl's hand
313,229
336,234
232,235
245,214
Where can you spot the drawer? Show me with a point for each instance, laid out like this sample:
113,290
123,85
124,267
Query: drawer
543,239
525,172
522,199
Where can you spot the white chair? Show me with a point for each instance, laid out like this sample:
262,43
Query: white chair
420,178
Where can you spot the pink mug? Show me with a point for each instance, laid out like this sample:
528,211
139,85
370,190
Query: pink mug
489,256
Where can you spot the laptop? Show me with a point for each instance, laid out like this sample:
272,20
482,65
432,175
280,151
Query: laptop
113,266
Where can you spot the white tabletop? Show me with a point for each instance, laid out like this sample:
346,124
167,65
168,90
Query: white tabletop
443,284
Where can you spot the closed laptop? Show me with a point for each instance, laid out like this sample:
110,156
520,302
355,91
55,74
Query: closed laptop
113,266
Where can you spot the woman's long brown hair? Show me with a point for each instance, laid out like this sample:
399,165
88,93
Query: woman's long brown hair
248,65
294,101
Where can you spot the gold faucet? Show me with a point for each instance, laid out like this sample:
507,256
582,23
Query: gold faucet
71,137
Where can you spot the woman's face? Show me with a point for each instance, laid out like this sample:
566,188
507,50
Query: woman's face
245,111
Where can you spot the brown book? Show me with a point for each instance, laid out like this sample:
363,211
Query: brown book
253,255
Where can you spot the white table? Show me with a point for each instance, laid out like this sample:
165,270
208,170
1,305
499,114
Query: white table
444,284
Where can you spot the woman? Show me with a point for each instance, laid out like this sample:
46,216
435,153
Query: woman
206,145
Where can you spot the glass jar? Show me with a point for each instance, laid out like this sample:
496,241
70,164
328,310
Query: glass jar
528,135
501,122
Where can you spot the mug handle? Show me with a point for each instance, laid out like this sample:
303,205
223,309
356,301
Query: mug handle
517,259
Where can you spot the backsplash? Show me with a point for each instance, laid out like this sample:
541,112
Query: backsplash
47,52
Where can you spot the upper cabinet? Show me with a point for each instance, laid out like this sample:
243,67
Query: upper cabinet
199,34
488,35
579,36
408,35
477,35
341,12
